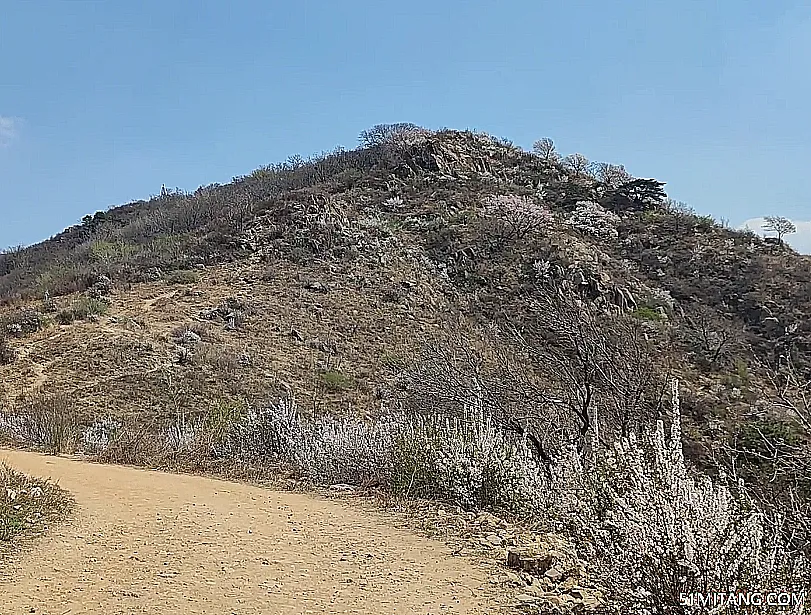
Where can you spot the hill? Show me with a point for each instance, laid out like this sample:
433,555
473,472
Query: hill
428,273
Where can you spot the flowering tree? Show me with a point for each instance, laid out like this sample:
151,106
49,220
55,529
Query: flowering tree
516,216
590,218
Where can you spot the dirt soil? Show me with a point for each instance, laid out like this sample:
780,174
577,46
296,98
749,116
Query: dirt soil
152,542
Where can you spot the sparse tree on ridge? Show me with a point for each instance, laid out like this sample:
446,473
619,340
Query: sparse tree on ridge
385,133
780,225
577,164
545,149
612,175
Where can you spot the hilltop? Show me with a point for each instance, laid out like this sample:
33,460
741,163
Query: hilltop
424,271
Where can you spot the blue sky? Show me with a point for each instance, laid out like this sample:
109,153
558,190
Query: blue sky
102,102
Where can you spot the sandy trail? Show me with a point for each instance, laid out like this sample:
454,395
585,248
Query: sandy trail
151,542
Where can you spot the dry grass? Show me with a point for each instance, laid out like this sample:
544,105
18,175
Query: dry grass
28,506
125,365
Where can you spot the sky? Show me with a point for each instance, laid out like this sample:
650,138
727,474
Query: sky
103,102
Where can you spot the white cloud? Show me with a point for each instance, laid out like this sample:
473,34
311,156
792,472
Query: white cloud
9,129
800,241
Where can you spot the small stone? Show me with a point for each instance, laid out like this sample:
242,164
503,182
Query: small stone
553,574
343,487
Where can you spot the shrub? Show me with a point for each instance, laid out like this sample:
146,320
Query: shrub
7,353
467,462
100,435
336,381
43,421
647,313
393,362
108,252
23,322
656,530
220,358
26,503
182,276
82,309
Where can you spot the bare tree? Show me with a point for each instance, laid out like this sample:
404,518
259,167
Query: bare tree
386,133
602,367
782,449
712,339
780,225
792,392
468,367
577,164
612,175
545,149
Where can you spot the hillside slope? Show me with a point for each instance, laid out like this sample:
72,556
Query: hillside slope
430,272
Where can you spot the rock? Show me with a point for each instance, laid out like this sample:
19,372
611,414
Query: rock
524,560
343,487
495,540
553,574
315,286
526,598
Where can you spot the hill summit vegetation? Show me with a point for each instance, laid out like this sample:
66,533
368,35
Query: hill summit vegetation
443,315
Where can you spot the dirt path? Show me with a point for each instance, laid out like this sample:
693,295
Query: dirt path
150,542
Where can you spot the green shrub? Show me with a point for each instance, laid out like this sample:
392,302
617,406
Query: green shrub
742,371
336,381
82,309
111,251
182,276
27,503
647,313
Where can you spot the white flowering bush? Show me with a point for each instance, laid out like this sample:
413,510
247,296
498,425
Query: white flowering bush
591,219
468,461
649,526
655,529
100,434
516,216
324,449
